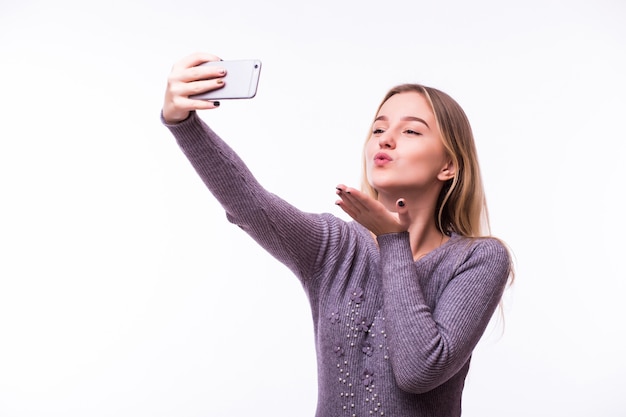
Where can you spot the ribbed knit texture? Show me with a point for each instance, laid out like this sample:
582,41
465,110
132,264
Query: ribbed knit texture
393,336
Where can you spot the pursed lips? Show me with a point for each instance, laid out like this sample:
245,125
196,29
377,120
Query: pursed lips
382,158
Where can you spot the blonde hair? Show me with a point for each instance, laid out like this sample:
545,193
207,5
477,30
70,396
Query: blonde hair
461,206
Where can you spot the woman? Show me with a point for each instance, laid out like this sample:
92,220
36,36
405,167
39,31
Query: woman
400,296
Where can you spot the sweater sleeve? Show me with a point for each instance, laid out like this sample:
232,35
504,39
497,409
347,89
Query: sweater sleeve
428,345
293,237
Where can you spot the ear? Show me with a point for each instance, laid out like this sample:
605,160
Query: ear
448,171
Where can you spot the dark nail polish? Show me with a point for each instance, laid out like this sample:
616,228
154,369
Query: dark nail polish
216,103
401,203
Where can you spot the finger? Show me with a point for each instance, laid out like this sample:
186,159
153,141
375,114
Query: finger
341,189
198,87
195,59
347,209
348,205
353,197
202,72
403,212
347,202
191,104
191,69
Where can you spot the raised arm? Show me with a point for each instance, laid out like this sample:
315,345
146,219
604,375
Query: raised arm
295,238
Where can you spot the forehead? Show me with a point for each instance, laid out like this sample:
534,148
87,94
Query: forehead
407,104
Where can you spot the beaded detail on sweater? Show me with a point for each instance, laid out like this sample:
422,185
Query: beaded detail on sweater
372,335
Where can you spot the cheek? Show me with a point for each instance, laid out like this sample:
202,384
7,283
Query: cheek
422,166
428,156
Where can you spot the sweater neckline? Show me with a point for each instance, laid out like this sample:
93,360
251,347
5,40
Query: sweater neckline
453,238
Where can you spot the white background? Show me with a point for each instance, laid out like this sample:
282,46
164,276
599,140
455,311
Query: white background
125,292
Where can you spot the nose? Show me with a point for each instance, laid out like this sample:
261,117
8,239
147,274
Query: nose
386,140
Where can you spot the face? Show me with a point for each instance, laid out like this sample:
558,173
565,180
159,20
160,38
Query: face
405,154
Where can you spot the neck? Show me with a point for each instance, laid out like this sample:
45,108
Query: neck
425,238
423,232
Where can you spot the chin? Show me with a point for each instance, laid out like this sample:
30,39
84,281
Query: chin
382,187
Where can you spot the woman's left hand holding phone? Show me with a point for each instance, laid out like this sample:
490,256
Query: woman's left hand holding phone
186,79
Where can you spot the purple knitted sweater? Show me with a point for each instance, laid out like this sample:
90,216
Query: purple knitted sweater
393,336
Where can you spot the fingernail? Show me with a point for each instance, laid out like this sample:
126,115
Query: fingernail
401,203
219,82
222,71
216,103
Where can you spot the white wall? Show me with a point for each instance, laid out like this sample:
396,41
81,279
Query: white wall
124,291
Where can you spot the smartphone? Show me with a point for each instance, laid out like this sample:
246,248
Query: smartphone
241,80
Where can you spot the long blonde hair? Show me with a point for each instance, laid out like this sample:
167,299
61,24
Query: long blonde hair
461,206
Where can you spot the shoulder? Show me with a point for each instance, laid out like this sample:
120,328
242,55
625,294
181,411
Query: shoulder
490,246
487,254
478,245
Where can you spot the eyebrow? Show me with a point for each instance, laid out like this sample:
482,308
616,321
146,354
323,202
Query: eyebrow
405,119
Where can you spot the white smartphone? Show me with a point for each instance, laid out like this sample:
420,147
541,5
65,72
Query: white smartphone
241,80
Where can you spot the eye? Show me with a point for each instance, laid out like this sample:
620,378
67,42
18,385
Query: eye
377,131
412,132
